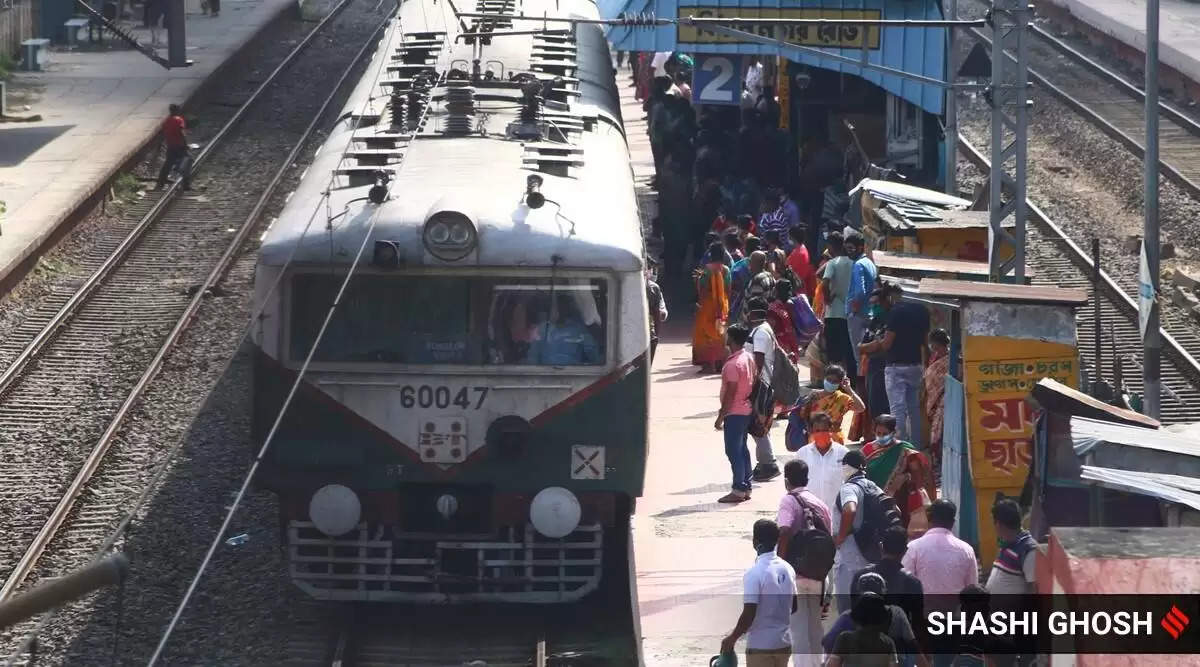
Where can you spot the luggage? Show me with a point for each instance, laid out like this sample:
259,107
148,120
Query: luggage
810,550
880,512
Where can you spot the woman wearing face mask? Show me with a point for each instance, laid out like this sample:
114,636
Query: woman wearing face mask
836,398
899,469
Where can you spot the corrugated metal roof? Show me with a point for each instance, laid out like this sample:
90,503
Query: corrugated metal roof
1171,488
975,291
1089,434
914,50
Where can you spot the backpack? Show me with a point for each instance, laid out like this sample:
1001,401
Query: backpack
880,512
810,550
785,379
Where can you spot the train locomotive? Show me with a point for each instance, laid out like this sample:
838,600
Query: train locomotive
472,424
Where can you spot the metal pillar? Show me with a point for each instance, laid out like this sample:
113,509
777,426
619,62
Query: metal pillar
176,39
950,174
1008,97
1152,340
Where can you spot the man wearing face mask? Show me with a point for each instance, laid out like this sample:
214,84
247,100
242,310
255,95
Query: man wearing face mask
863,275
848,504
762,345
768,601
823,456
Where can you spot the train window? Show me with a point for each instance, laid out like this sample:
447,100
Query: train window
536,322
407,319
388,319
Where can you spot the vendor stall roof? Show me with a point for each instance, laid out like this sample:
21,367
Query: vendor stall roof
914,50
899,261
900,219
976,291
1132,448
902,191
1056,397
1171,488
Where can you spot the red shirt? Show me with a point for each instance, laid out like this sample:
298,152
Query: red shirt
803,268
172,129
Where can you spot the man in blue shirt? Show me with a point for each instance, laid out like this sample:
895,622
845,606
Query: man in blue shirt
863,276
565,342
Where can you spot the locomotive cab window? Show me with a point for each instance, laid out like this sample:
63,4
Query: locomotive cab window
427,320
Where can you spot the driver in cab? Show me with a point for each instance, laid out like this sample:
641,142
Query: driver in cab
562,339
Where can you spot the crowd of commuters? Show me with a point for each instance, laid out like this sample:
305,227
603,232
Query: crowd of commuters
778,278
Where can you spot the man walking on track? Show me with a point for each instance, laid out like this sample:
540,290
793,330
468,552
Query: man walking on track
174,131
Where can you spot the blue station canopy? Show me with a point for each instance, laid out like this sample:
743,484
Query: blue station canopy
915,50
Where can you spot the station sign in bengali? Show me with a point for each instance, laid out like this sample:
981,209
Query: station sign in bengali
1000,421
833,36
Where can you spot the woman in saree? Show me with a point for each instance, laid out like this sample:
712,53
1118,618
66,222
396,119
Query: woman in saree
899,469
708,332
935,388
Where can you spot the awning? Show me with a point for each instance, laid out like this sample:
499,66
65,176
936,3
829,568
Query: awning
915,50
1171,488
1134,448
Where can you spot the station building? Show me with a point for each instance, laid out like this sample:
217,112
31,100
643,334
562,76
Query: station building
897,120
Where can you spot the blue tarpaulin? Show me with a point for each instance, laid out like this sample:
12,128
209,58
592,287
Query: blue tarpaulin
915,50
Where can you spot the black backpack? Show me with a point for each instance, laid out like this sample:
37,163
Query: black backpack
880,512
810,550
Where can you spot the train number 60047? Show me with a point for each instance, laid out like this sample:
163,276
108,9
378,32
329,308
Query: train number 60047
425,396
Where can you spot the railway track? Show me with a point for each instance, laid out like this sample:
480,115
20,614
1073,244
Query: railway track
540,637
1059,261
75,378
1113,104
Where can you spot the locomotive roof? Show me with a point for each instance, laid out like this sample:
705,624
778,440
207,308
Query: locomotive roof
590,219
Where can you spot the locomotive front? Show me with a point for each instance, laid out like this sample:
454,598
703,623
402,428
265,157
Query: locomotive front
472,423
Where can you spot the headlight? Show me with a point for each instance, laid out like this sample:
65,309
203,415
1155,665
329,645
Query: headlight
335,509
450,236
555,512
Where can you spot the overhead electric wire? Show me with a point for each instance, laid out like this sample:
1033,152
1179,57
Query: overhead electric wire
286,404
144,496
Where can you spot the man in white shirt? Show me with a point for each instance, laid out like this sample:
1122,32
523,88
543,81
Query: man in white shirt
762,346
769,598
823,457
849,504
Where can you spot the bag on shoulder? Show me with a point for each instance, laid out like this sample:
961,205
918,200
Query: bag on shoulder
785,379
880,512
810,550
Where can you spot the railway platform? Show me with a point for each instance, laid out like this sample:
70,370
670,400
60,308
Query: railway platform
689,552
1121,26
98,110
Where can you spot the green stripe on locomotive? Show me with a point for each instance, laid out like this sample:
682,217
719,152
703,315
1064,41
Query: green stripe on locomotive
322,441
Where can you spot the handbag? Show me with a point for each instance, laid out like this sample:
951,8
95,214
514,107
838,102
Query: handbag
918,521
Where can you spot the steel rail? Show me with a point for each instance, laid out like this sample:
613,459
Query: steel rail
100,449
1104,125
1082,258
14,370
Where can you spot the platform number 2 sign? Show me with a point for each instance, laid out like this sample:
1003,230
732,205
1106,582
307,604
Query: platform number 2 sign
718,80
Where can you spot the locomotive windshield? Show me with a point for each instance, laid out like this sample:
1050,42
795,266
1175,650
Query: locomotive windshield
478,320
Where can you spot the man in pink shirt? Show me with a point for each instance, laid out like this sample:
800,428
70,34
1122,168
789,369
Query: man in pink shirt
806,620
737,378
943,563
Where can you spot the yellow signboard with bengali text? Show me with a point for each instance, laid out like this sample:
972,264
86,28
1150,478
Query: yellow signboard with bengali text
833,36
1000,421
